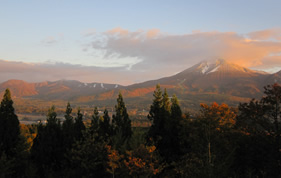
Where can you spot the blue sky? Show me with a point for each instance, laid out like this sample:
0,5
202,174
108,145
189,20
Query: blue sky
115,35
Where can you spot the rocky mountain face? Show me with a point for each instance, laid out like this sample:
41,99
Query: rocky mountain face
205,81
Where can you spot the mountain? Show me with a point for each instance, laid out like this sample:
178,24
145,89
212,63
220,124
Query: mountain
218,76
62,89
207,81
19,88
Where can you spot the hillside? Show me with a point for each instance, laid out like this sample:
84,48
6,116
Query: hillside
207,81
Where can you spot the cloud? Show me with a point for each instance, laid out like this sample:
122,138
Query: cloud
152,33
38,72
166,53
118,31
269,34
89,32
126,57
50,40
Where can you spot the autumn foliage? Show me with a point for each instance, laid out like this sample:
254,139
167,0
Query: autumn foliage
218,141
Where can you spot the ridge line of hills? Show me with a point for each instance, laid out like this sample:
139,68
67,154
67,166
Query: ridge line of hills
206,81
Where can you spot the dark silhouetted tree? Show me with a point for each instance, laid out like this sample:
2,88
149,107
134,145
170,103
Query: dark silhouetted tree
95,121
155,115
79,126
13,146
259,121
68,128
105,129
47,150
121,123
9,126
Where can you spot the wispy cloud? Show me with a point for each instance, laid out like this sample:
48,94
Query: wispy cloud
125,57
269,34
159,51
51,40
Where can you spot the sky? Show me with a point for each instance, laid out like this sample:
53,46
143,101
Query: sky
129,41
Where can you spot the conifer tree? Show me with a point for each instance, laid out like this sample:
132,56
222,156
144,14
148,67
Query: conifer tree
47,149
13,145
88,155
155,108
261,120
272,105
175,130
67,128
68,112
95,121
166,125
121,121
155,115
9,126
166,104
79,126
105,130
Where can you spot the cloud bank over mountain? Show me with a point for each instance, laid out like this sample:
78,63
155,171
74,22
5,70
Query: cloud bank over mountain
260,49
135,56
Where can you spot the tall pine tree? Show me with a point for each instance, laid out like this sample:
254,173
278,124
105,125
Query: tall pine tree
67,128
47,150
105,129
121,122
155,115
79,126
9,126
166,125
12,144
95,121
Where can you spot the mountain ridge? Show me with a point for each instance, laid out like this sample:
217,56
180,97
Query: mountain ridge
200,82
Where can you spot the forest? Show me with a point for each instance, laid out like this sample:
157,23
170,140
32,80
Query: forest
220,141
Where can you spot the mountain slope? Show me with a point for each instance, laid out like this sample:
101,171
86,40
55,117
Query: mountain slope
19,88
207,81
62,89
216,76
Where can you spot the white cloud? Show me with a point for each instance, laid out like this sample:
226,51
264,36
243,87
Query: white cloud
157,51
125,57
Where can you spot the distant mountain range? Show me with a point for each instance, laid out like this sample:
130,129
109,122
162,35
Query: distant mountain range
207,81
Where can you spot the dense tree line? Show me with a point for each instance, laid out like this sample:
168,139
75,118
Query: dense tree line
220,141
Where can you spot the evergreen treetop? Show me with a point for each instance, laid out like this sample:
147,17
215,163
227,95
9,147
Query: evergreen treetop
121,121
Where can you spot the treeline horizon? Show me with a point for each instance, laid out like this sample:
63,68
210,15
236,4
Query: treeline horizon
220,141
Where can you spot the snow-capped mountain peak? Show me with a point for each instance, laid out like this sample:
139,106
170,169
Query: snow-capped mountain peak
210,66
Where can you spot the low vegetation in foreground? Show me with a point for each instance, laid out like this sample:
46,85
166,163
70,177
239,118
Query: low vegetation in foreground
221,141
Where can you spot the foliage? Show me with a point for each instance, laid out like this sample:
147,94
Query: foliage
114,160
88,157
142,162
166,125
259,120
217,142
